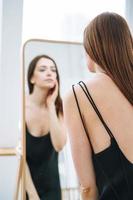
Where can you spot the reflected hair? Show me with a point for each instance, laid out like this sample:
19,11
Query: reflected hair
31,69
109,43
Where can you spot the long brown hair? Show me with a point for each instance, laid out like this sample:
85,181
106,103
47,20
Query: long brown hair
31,69
109,43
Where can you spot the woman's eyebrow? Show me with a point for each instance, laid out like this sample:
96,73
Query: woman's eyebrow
44,66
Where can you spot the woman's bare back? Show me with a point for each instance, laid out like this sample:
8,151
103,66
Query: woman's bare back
116,111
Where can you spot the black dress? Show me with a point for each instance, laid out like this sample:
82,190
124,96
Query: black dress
114,172
42,160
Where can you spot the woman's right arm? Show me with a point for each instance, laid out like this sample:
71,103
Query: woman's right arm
30,188
81,150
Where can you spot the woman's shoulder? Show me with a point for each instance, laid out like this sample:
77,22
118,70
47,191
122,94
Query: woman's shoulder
97,82
100,87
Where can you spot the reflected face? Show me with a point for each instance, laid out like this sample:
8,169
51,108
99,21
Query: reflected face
45,73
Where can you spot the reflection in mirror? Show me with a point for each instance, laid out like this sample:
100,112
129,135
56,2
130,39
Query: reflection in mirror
50,70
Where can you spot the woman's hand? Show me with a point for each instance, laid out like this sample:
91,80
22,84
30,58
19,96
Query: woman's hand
52,95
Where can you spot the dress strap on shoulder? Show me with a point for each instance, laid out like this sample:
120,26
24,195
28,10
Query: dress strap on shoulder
89,97
82,118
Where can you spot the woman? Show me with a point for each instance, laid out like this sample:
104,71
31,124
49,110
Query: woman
45,135
99,113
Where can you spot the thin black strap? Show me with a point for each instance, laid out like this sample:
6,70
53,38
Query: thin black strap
81,116
85,90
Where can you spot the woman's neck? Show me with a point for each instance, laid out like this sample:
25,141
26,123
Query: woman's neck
39,96
98,69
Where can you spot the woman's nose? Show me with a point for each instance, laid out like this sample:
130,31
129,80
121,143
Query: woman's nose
49,73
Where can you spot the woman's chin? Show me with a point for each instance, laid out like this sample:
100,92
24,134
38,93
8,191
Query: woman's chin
49,85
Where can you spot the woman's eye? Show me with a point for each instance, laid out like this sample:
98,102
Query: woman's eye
41,70
53,70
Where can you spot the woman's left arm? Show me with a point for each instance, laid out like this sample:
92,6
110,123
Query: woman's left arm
57,128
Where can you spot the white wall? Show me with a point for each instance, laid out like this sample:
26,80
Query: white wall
129,13
10,105
63,19
10,71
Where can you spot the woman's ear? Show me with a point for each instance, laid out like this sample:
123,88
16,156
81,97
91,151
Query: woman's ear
90,64
32,80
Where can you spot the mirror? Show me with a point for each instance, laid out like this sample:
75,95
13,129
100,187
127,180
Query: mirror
69,59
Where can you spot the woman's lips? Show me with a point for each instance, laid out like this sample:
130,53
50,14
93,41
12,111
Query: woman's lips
49,80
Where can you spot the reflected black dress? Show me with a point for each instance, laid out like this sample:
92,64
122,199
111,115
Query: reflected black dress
42,160
114,172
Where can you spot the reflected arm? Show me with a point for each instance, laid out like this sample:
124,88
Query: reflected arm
30,188
57,129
